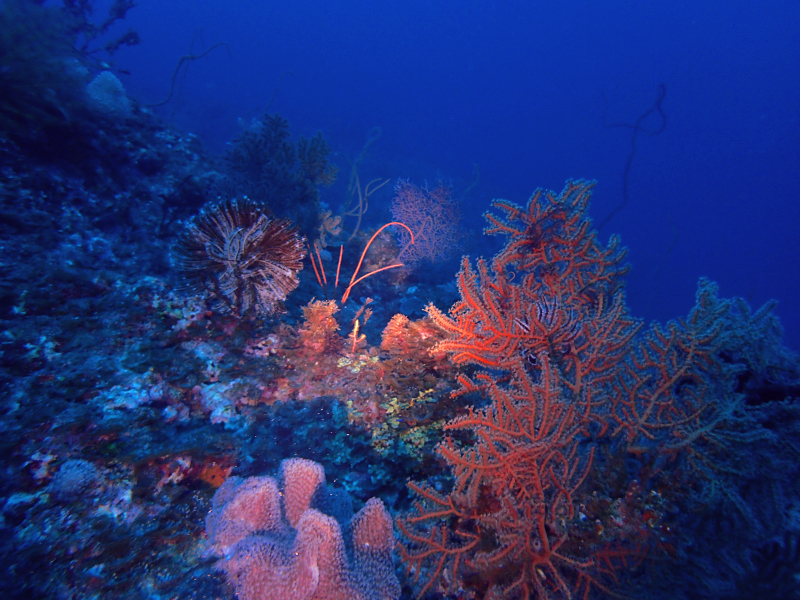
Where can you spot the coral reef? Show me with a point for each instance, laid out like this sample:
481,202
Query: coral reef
583,453
265,165
398,391
571,377
287,540
106,96
319,332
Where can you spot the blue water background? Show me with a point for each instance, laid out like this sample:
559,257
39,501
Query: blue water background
524,90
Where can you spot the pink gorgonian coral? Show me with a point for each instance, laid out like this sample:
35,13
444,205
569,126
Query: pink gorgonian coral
433,215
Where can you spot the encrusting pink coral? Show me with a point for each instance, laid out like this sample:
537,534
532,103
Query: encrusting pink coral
274,541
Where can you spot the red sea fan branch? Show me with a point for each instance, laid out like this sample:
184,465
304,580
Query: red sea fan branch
548,317
569,371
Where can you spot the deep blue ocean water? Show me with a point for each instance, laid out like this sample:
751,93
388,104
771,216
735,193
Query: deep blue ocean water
523,92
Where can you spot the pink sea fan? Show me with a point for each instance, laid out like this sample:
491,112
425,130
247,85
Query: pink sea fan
434,217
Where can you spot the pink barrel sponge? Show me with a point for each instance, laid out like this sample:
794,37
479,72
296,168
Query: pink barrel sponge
276,542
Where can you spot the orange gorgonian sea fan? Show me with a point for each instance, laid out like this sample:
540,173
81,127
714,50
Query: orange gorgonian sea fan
238,258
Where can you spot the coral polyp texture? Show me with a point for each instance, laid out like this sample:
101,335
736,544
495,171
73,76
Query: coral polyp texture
295,538
574,377
238,258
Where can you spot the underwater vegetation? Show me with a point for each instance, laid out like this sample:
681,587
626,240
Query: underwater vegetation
265,165
434,216
570,376
190,412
